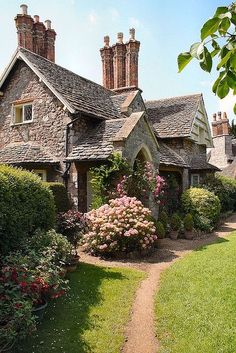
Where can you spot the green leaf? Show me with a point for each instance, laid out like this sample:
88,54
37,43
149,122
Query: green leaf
233,18
217,81
221,10
235,108
224,25
223,88
183,60
231,79
196,49
210,27
224,60
206,60
214,52
233,61
215,45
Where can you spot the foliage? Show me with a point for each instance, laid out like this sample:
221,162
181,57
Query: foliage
188,222
105,177
72,224
92,316
219,32
163,218
171,194
175,222
121,225
25,203
204,207
224,188
197,300
61,199
160,230
116,179
27,278
233,129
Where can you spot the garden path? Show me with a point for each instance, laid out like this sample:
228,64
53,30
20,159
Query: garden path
140,331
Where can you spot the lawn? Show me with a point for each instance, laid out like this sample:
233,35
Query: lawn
92,317
196,304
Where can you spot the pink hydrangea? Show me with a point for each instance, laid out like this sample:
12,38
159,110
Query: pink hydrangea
121,225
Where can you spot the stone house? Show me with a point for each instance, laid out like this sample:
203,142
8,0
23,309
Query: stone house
223,155
59,124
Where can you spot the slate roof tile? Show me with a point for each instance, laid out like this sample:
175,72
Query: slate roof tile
173,117
169,157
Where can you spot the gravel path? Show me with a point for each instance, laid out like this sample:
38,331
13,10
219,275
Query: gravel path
140,331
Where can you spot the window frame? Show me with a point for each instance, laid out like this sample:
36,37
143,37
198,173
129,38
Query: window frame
192,177
23,105
40,171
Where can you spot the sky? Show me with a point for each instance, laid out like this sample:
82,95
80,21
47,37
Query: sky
164,28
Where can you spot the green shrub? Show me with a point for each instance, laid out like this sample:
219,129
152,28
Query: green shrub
188,222
204,207
224,188
160,230
61,199
25,203
175,222
163,218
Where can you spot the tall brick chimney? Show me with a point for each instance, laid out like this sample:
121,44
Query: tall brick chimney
120,63
107,64
119,52
25,28
132,51
220,125
35,35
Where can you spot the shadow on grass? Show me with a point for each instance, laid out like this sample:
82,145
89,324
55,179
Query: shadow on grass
67,318
217,240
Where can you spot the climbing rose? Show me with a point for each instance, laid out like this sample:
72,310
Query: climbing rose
121,225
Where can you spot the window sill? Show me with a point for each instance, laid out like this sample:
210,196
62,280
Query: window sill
23,123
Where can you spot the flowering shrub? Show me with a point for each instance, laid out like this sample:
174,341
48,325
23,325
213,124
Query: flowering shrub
121,225
72,224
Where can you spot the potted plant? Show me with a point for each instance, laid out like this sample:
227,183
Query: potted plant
175,226
188,226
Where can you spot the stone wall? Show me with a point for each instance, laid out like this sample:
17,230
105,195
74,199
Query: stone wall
222,151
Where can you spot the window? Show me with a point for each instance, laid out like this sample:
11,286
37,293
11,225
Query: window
41,173
23,113
195,179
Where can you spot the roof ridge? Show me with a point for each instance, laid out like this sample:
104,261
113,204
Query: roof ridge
64,68
168,98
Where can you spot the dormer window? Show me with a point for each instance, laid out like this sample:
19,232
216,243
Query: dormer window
22,113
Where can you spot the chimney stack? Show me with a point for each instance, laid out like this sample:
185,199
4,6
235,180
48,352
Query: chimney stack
107,64
119,51
34,35
120,63
132,51
220,125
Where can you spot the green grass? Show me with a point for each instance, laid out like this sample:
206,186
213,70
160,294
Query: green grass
92,317
196,304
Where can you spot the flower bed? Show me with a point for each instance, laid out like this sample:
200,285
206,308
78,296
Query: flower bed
122,225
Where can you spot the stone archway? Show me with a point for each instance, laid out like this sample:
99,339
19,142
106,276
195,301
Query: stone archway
142,155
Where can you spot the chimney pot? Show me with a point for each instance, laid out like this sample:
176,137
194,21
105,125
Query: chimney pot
120,37
106,41
24,9
36,18
214,117
225,116
219,116
48,24
132,33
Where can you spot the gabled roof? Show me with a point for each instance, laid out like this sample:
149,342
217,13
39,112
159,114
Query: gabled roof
78,94
18,153
199,162
173,117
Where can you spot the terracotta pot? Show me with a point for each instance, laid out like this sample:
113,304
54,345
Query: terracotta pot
39,311
174,234
188,235
71,267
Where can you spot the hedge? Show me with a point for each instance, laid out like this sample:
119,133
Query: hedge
203,205
25,205
61,199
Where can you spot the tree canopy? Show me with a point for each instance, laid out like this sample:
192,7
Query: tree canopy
218,42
